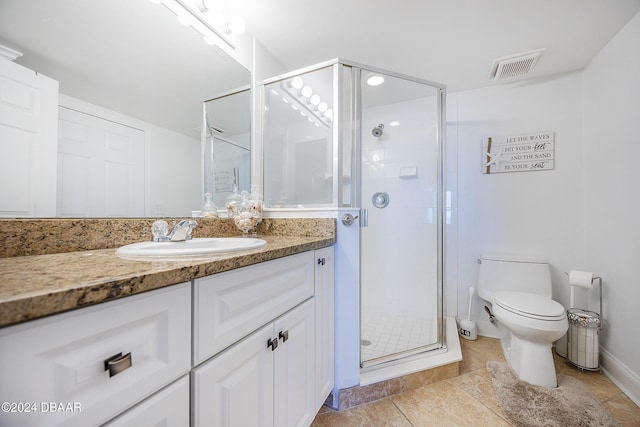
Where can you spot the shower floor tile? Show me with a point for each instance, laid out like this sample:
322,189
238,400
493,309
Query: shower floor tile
384,334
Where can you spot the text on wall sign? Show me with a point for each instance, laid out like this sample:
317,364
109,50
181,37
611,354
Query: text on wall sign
518,153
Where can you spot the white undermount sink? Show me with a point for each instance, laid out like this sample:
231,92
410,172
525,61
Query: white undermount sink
190,248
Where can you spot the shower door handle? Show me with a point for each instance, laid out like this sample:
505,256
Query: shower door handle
348,219
365,218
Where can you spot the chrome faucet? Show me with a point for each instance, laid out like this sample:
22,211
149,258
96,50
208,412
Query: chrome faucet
181,231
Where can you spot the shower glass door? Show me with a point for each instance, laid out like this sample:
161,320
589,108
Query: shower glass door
401,292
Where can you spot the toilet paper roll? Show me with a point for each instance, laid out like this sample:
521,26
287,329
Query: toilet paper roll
583,279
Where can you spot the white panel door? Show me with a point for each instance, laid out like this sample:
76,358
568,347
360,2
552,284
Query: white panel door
295,373
235,388
100,167
28,142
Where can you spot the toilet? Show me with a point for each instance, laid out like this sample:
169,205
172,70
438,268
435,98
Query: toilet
519,290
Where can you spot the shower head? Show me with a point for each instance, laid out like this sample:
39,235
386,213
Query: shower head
378,130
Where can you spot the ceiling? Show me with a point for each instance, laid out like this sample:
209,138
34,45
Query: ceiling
131,56
451,42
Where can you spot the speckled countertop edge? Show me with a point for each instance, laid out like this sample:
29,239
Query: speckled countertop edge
40,285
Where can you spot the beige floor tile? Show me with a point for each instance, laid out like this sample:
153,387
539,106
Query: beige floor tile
489,347
469,399
479,385
599,384
476,354
443,404
624,410
382,413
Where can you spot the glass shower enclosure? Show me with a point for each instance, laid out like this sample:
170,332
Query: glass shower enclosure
345,135
400,308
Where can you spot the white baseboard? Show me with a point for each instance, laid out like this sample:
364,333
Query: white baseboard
621,375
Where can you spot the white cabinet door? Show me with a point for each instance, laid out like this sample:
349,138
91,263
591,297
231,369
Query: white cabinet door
65,358
101,167
295,367
168,408
236,387
28,142
324,297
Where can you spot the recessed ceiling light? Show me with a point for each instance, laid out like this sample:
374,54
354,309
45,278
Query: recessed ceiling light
375,80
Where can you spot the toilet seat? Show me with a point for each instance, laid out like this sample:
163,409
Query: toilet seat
530,305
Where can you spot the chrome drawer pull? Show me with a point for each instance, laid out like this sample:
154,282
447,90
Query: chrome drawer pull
284,336
117,363
273,344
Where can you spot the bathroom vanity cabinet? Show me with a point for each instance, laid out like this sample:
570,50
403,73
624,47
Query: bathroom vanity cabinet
250,346
62,359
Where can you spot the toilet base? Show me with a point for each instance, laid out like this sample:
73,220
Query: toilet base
531,361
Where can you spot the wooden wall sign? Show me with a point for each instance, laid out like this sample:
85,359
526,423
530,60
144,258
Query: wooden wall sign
518,153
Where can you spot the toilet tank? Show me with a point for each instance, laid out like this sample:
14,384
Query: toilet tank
513,273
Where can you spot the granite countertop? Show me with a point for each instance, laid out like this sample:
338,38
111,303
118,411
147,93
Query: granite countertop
40,285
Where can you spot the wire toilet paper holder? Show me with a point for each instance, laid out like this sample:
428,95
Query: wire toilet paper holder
593,279
584,328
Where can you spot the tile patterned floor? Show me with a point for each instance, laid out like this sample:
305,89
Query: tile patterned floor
469,399
383,334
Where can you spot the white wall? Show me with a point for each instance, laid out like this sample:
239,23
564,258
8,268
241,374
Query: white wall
611,88
537,213
175,176
583,214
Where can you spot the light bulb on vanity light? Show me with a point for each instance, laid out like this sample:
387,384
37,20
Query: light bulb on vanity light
297,82
235,24
323,106
307,91
315,99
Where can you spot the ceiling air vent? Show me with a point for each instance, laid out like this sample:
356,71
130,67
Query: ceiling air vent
515,65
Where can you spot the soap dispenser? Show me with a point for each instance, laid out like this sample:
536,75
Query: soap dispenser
209,209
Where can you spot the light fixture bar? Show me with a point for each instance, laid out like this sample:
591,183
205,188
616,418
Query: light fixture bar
200,24
310,111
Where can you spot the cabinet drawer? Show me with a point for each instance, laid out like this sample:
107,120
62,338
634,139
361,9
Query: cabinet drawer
168,408
230,305
57,364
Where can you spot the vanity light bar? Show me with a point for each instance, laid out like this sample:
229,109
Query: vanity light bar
189,15
303,101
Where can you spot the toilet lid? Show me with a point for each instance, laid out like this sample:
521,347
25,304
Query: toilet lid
530,305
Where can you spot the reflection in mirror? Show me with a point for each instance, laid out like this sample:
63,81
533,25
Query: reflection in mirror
119,61
227,145
298,141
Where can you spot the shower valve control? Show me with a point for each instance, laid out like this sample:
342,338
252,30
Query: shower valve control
348,219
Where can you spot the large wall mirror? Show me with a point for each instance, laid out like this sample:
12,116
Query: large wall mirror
133,66
227,145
